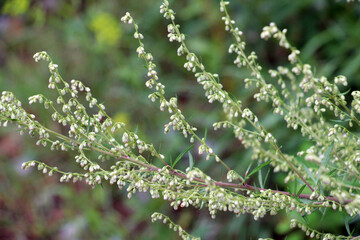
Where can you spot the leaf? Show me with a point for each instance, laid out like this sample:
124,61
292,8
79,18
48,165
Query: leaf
309,173
88,127
255,187
181,155
191,160
266,176
247,170
306,219
258,168
332,172
260,179
326,158
323,211
320,188
346,223
297,192
232,97
346,92
324,162
341,121
301,190
202,202
205,135
290,192
171,162
205,195
136,129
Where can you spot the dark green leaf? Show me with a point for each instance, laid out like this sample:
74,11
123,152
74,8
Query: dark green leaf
325,161
260,179
255,187
326,158
346,92
341,121
323,211
266,176
247,170
346,223
258,168
202,202
301,190
320,188
232,97
332,172
136,129
88,127
191,160
306,219
181,155
309,173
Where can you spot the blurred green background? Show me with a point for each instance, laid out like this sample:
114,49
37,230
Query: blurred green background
90,44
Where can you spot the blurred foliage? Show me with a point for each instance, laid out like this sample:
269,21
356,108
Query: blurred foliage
16,7
106,29
88,42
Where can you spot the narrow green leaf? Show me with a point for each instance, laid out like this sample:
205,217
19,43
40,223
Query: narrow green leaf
255,187
247,170
324,162
323,212
346,223
301,190
171,162
309,173
346,92
260,179
202,202
191,160
326,158
136,129
341,121
205,135
232,97
88,127
332,172
266,176
320,188
181,155
296,186
306,219
258,168
290,192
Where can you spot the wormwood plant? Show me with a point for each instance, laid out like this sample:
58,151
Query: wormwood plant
329,168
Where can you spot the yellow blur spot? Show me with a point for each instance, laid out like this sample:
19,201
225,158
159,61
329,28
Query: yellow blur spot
16,7
122,117
106,29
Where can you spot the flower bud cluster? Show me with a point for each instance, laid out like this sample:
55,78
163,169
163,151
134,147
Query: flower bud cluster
41,56
166,11
313,234
356,102
177,119
175,36
166,220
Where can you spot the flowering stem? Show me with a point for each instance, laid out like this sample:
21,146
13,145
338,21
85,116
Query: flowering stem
182,175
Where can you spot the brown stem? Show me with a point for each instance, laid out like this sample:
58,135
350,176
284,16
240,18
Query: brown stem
174,172
232,185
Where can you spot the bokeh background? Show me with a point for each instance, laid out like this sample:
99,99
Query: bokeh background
89,43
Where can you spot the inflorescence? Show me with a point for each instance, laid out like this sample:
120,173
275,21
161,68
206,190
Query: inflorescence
299,96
